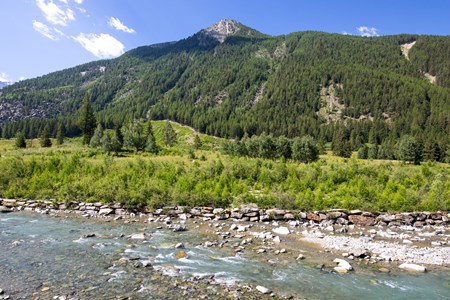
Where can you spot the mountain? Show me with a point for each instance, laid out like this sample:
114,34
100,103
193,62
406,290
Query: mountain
3,84
229,79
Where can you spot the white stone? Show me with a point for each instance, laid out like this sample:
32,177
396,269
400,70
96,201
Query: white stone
343,264
413,268
138,236
281,230
263,290
276,240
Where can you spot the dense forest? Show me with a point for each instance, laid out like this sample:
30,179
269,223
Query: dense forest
332,87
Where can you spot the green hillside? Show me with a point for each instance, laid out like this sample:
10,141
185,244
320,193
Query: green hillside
365,89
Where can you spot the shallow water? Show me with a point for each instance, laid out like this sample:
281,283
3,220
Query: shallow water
39,252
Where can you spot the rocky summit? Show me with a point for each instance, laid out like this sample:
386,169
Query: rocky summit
222,29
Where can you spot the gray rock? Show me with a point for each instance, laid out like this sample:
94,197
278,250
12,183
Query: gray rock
180,227
105,211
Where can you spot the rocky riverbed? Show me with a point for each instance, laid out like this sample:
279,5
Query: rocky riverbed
277,239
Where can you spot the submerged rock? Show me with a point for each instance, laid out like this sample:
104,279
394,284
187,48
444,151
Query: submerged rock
181,254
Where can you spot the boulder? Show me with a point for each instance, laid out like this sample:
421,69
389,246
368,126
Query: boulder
342,264
281,230
362,220
4,209
181,255
413,268
105,211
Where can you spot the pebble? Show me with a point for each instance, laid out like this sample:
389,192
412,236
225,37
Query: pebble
300,257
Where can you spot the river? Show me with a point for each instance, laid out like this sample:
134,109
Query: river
46,256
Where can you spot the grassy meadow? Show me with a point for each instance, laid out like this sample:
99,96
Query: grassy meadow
183,175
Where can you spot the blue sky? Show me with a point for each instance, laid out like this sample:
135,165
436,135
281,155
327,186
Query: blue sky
42,36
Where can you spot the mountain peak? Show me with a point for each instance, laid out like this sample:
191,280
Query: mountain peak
222,29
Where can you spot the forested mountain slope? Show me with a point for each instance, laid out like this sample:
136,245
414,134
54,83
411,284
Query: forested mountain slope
229,80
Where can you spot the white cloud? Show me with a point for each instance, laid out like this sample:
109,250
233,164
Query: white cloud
117,24
4,77
346,33
55,14
367,31
102,46
22,78
78,1
51,33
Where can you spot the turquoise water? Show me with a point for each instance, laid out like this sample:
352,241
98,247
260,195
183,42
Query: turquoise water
39,252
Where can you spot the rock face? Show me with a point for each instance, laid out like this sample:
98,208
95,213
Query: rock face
221,30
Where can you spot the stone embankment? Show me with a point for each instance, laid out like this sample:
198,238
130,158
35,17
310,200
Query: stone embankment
244,214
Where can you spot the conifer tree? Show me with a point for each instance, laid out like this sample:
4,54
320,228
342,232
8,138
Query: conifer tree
44,138
20,140
362,152
409,150
96,140
197,142
110,142
86,120
170,136
60,134
118,133
133,135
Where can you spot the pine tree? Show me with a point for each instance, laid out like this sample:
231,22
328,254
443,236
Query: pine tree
151,145
409,150
44,137
133,135
60,134
86,120
20,140
110,142
362,152
170,136
197,142
119,135
96,140
372,153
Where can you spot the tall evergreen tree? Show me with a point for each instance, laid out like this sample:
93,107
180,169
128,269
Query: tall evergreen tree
96,140
86,120
118,131
133,135
150,145
409,150
60,133
110,142
44,137
20,140
197,142
170,136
